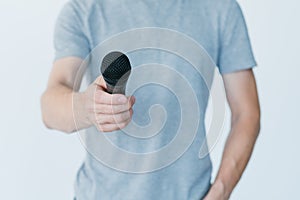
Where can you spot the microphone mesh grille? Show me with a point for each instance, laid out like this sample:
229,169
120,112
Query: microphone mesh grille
115,66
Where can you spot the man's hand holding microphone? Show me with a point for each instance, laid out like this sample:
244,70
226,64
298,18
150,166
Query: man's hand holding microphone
104,104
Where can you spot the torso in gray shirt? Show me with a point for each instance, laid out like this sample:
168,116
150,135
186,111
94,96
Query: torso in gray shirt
218,26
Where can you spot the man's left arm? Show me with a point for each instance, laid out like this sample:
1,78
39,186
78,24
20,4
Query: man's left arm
243,101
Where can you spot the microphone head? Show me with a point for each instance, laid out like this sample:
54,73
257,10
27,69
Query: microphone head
115,68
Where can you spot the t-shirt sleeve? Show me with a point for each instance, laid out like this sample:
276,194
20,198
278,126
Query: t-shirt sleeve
69,36
235,52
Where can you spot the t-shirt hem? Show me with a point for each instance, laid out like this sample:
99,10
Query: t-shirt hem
68,54
236,69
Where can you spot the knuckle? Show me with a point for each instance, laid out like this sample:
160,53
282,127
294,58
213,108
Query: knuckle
110,120
101,119
128,107
123,125
100,128
131,112
112,128
130,104
115,128
115,109
106,109
125,116
115,118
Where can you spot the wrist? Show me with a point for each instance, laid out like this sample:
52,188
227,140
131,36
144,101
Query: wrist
80,111
220,188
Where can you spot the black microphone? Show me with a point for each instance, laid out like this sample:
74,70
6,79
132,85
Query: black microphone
115,69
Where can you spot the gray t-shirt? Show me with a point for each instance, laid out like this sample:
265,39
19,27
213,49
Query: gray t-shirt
218,26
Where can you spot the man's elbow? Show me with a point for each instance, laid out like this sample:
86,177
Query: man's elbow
251,116
43,105
256,119
48,121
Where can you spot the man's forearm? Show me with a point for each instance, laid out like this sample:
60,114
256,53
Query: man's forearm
57,109
238,149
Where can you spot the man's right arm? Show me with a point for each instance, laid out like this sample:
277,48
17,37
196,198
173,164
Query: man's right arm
61,102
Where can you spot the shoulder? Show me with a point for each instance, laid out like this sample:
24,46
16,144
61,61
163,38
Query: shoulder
76,11
217,9
225,10
223,6
79,7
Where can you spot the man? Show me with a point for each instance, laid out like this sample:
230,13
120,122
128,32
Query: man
217,25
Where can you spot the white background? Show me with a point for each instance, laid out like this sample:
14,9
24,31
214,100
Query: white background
36,163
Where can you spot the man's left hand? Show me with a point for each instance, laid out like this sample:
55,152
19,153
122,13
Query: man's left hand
217,192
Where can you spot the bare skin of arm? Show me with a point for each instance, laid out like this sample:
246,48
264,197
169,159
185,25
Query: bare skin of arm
242,97
61,101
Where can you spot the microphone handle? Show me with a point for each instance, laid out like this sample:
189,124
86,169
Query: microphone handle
117,89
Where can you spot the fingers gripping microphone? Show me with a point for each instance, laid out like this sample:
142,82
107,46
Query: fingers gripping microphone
115,69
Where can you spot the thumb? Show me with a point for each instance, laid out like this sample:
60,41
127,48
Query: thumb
100,82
